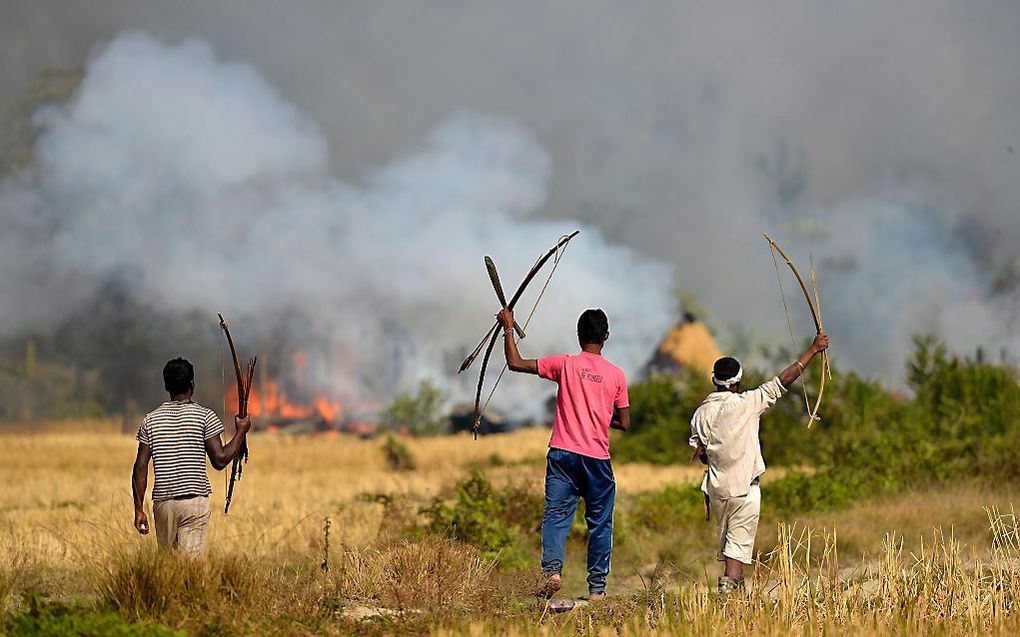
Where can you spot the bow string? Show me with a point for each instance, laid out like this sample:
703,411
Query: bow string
814,305
492,336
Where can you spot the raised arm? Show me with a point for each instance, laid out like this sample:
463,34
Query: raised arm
789,375
139,479
221,455
513,357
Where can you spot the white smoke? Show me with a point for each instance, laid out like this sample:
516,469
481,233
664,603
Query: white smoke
680,129
810,121
189,177
893,268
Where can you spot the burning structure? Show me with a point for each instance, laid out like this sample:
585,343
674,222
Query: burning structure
290,402
688,344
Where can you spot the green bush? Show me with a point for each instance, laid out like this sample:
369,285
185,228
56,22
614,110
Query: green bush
422,413
44,618
661,409
398,456
960,424
86,623
497,521
673,506
800,492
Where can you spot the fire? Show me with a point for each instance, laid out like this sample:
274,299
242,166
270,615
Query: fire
272,402
326,408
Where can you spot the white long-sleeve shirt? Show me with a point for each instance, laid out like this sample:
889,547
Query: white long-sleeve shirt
726,425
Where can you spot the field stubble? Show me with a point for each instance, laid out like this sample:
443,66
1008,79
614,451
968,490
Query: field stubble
65,533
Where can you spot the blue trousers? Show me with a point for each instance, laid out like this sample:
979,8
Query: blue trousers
569,476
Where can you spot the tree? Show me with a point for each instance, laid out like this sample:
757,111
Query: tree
422,413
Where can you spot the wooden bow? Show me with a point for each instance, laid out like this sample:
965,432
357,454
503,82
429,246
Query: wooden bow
243,391
815,305
493,334
490,266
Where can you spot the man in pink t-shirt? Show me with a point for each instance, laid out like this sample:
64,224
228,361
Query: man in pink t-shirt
592,399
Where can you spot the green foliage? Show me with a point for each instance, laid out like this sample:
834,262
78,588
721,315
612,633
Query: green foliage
30,390
86,623
929,356
497,521
398,456
422,413
660,412
672,507
800,492
961,424
962,398
51,619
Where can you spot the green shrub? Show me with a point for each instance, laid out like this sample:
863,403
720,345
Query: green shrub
494,520
799,492
422,413
661,409
398,456
960,424
673,506
85,623
44,618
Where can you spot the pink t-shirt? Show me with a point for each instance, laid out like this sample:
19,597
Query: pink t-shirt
590,387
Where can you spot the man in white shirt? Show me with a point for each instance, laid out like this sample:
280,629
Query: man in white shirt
724,430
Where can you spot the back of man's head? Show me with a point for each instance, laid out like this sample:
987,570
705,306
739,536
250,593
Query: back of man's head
726,370
592,327
178,376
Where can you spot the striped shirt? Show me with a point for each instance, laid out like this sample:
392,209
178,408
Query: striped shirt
176,432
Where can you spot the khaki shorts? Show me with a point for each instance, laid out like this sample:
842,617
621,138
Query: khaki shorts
736,520
182,524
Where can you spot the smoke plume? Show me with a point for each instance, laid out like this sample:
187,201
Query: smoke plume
880,137
193,181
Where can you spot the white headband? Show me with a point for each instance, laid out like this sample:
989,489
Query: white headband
731,382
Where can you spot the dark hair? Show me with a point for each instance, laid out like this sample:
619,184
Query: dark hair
592,327
726,368
178,375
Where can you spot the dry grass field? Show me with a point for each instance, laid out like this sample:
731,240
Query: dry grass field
920,562
59,491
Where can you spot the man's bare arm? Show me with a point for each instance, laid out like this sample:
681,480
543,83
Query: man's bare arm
513,356
139,480
221,455
621,421
789,375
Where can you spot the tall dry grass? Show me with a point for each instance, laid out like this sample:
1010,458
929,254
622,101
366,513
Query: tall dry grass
437,585
65,533
63,494
428,574
803,588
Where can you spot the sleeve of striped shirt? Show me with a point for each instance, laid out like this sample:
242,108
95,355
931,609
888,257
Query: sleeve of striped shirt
213,426
143,432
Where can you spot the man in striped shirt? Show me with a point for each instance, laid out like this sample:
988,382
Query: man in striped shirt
177,436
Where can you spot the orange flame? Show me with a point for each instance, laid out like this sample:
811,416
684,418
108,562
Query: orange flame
272,402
